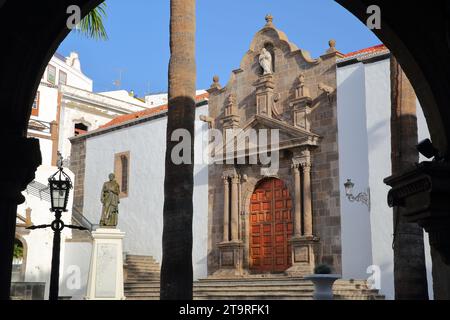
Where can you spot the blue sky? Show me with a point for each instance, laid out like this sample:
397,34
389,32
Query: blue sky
139,38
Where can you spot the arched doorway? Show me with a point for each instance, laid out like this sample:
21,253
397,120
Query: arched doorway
19,259
271,226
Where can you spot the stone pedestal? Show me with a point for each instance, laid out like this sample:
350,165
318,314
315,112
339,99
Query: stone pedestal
303,256
264,95
231,259
106,270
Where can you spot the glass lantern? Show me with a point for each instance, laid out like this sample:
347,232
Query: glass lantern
349,185
60,185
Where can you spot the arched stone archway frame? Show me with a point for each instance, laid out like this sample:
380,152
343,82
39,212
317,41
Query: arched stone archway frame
23,267
248,188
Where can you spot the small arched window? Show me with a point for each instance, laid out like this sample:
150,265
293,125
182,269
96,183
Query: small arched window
80,128
122,172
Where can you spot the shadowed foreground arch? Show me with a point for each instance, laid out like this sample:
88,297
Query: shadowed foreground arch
31,31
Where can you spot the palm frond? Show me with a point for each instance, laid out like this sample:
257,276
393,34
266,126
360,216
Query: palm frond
92,25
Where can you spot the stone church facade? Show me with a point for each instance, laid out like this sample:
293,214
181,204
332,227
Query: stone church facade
286,220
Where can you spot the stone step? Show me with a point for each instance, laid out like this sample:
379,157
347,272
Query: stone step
264,284
139,279
277,297
143,273
142,270
142,265
140,258
142,283
152,261
143,298
274,278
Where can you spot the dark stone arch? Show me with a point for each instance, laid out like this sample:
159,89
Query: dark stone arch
418,35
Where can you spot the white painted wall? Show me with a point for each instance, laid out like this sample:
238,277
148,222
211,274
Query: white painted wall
40,242
378,108
75,77
353,164
69,117
364,111
123,95
75,274
141,213
48,101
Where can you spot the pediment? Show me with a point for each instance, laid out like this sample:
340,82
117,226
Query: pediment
249,140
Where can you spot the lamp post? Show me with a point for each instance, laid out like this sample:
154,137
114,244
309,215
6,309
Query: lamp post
60,185
362,197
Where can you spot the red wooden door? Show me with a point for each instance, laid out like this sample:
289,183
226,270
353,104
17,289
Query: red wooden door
270,227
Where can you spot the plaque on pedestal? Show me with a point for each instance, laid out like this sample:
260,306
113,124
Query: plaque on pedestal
303,256
106,270
231,257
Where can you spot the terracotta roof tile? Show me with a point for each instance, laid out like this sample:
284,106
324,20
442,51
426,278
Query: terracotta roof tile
145,113
374,49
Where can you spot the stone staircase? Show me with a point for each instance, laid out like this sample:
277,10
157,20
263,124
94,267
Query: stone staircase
142,283
141,275
277,288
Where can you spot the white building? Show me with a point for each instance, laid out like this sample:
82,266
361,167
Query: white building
65,105
364,118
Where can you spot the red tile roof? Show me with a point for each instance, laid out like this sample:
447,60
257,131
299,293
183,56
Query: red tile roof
145,113
374,49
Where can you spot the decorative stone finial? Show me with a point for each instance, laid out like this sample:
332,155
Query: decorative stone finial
332,44
216,84
269,19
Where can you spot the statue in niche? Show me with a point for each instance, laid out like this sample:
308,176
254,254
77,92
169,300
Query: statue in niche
265,61
110,200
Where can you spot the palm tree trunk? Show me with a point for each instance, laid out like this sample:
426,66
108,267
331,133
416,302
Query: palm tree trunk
176,269
410,275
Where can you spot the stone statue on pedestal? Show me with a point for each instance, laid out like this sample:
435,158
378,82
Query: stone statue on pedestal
110,200
265,60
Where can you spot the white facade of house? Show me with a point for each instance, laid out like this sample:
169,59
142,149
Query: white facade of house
160,99
364,115
92,110
141,212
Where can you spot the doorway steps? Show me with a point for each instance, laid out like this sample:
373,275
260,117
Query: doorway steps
142,283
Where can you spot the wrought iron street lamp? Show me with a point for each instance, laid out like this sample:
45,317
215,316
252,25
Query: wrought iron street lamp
363,197
60,186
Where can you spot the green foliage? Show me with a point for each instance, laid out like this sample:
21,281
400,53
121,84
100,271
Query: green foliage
92,25
322,269
18,251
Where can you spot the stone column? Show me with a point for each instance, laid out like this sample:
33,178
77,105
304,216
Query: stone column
307,199
226,209
235,208
298,203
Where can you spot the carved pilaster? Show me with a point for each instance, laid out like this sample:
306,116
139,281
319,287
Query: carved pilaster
231,119
235,180
307,196
301,105
298,204
226,208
